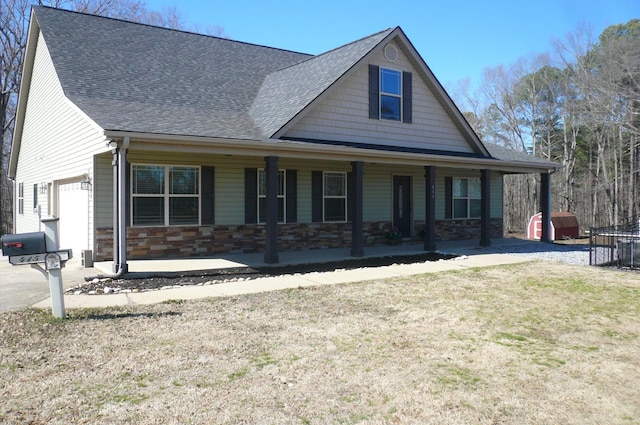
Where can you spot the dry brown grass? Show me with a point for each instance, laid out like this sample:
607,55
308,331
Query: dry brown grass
507,345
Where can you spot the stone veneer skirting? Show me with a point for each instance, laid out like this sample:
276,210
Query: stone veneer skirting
202,241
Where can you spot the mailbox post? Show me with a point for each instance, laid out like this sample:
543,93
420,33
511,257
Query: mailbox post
53,266
41,248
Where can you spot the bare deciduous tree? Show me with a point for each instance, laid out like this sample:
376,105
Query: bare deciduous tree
579,106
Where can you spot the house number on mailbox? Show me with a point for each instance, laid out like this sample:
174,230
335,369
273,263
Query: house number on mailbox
27,260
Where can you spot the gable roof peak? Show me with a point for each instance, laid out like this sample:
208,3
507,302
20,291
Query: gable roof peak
383,32
286,93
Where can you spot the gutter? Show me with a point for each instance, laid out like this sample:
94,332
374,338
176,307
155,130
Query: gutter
301,149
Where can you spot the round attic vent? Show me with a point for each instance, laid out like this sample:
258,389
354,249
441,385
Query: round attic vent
391,52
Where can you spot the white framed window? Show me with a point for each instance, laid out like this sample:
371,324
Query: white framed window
20,198
466,198
334,199
165,195
262,195
390,94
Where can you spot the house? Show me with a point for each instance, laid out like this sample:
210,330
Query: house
153,143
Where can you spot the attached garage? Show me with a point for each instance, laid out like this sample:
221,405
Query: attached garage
73,211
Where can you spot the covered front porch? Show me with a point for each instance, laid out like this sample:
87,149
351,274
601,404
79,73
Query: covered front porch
274,206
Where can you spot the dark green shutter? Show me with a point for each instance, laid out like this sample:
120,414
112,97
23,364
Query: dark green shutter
350,198
250,195
127,193
316,196
207,197
448,197
406,97
374,92
292,196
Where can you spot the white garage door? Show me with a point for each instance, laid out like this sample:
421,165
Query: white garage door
73,211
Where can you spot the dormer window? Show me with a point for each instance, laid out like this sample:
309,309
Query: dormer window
390,95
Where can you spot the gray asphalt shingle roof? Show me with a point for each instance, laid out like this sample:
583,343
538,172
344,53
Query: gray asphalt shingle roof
511,155
286,92
134,77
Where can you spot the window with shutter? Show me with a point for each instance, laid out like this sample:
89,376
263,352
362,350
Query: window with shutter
390,94
331,194
165,195
256,195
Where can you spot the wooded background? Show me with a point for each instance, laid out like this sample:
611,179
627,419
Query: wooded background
578,105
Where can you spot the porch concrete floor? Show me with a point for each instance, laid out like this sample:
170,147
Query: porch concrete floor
222,261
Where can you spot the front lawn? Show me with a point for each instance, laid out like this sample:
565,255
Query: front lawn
533,343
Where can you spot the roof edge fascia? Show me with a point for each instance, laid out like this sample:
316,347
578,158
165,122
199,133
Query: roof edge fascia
33,34
299,149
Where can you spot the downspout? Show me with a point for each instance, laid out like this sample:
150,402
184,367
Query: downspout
122,206
115,233
119,164
546,206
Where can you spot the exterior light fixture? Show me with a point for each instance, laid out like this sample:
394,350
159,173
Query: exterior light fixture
85,184
42,188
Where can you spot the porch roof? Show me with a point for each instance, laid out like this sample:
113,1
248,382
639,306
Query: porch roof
325,150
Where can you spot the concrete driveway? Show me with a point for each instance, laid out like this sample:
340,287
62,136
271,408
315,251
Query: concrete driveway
22,286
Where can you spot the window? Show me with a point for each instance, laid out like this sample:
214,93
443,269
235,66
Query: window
466,198
262,196
35,198
165,195
390,94
335,196
20,198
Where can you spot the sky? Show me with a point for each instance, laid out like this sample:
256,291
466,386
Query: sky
457,39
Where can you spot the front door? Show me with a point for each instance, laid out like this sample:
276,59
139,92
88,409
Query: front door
402,204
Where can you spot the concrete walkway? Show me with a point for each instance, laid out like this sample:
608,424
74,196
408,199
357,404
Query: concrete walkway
472,256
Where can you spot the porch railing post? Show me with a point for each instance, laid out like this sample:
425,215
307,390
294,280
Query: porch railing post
430,208
357,245
545,206
271,219
485,207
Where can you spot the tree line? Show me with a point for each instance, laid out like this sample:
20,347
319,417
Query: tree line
579,106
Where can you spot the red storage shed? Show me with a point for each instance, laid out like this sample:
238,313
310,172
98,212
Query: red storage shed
564,225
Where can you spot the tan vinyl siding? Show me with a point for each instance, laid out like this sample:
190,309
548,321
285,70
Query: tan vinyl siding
344,115
496,195
103,190
58,140
377,193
